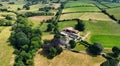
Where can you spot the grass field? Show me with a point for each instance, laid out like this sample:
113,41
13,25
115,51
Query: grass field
115,12
6,51
80,9
100,5
106,40
65,24
86,16
109,4
102,32
40,18
7,13
77,4
68,58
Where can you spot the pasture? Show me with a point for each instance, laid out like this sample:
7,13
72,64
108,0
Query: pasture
115,12
80,9
78,4
106,40
111,5
40,18
102,32
6,51
68,58
85,16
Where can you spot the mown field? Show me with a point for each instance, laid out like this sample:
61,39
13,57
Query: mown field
78,4
115,12
68,58
85,16
80,9
6,51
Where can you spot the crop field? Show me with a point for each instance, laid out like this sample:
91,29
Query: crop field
68,58
6,51
80,9
115,12
86,16
78,4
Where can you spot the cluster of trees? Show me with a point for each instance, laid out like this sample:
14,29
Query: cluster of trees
92,49
46,9
1,4
26,41
112,58
3,9
80,25
4,22
53,23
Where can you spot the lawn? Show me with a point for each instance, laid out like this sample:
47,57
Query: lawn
6,51
80,9
68,58
115,12
106,40
85,16
78,4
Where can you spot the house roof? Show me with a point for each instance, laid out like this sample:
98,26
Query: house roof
70,29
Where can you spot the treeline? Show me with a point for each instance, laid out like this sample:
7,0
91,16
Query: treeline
30,14
26,41
4,22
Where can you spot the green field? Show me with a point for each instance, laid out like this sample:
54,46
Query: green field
106,40
78,4
86,16
100,5
111,5
6,51
80,9
101,31
115,12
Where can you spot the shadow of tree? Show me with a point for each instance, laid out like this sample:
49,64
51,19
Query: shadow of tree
45,54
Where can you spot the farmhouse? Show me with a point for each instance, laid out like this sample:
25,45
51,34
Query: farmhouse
68,34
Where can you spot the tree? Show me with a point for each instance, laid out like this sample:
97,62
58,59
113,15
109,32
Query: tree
49,27
116,51
59,50
19,39
19,63
52,52
72,43
80,25
8,17
95,49
110,62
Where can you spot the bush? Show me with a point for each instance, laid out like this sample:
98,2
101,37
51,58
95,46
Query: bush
72,43
52,52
